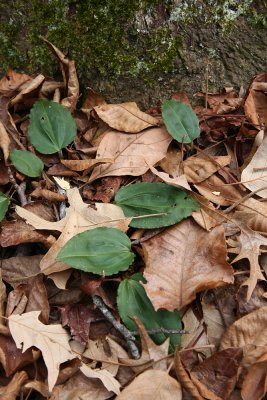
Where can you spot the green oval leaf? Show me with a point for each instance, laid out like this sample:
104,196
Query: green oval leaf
27,163
155,198
51,128
132,301
4,201
180,120
103,251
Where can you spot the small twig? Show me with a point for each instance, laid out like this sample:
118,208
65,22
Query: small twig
163,330
20,189
129,337
236,203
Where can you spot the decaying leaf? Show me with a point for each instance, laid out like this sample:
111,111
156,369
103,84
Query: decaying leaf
255,383
79,218
152,385
4,141
248,333
52,340
125,117
12,390
132,153
174,274
197,169
180,181
81,165
110,383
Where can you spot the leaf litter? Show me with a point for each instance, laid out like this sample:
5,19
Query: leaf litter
61,332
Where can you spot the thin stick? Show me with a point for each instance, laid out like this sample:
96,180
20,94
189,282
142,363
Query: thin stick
163,330
229,209
130,339
20,189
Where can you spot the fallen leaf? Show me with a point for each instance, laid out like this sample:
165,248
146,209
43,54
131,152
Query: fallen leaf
17,232
16,270
180,181
13,80
152,385
2,298
79,218
248,333
197,169
48,195
92,100
254,386
110,383
31,89
82,388
255,104
174,275
4,141
81,165
100,350
250,243
52,340
125,117
254,175
13,389
132,153
228,194
215,378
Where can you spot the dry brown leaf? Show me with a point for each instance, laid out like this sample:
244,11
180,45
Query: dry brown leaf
171,163
184,377
79,218
249,333
180,181
12,390
13,80
174,275
254,386
250,243
215,190
33,86
255,104
197,169
82,388
97,350
132,154
215,378
110,383
69,76
92,100
4,141
125,117
16,270
81,165
19,232
52,340
254,175
48,195
152,385
2,298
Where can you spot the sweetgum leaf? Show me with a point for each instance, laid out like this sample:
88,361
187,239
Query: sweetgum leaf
103,251
4,201
132,301
51,128
27,163
180,120
155,198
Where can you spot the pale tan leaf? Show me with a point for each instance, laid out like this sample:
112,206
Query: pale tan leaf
254,175
97,351
197,169
132,153
4,141
52,340
180,181
81,165
110,383
13,80
255,104
39,386
174,274
249,333
152,385
125,117
79,218
172,162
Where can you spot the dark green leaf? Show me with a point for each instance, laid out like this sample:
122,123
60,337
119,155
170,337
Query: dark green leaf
155,198
4,201
180,120
27,163
51,128
103,251
132,301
